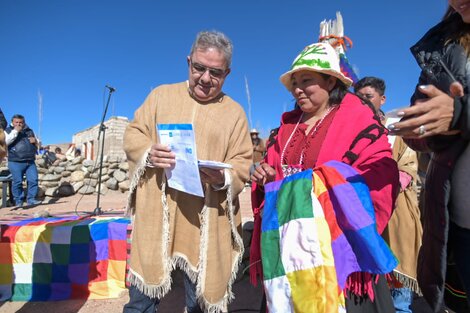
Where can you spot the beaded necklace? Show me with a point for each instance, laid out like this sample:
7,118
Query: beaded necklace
287,169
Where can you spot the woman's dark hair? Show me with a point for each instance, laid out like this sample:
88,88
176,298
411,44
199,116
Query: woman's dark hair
338,92
459,30
450,10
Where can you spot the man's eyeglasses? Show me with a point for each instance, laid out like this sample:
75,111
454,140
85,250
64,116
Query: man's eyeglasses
213,72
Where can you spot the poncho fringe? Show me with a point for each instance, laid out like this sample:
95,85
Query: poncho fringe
138,173
407,282
221,305
159,291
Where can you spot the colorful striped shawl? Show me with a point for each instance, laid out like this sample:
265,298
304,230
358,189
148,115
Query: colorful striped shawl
318,227
46,259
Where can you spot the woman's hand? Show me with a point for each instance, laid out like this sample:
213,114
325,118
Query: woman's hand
161,156
428,117
263,174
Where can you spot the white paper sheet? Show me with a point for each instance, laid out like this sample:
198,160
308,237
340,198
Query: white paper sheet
391,120
213,164
184,176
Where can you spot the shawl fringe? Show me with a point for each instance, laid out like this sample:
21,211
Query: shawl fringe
360,284
405,281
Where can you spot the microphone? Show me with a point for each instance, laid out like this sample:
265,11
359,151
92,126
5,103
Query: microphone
111,89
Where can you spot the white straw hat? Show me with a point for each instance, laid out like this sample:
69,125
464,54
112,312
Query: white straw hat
317,57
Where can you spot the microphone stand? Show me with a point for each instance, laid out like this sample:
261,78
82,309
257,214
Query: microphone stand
102,129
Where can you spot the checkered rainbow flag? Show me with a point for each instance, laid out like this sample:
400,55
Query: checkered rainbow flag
317,228
59,258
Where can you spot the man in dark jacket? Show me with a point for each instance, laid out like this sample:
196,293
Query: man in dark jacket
22,149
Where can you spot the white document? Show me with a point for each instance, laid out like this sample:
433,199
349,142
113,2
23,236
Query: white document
389,121
184,176
213,164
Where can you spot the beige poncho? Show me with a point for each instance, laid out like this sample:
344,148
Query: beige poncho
404,230
201,236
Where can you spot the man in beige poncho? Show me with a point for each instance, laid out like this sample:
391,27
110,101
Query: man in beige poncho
173,229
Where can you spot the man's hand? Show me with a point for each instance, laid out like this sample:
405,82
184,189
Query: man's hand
212,176
32,140
161,156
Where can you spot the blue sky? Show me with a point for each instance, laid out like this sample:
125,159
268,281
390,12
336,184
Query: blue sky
69,50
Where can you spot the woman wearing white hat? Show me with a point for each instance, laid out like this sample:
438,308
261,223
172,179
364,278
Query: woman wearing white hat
330,123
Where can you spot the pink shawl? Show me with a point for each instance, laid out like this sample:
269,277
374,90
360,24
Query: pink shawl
355,137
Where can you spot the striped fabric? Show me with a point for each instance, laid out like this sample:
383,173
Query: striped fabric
318,227
346,68
46,259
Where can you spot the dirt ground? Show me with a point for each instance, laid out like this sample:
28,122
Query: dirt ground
112,203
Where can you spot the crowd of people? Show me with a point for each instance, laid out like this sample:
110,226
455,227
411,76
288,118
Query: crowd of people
415,166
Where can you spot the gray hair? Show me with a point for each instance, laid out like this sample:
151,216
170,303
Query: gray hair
214,39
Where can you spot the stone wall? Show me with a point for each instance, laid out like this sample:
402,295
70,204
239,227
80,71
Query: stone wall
67,177
87,140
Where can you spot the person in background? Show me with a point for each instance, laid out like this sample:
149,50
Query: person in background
438,121
201,236
22,147
42,149
320,129
48,156
58,152
70,153
423,161
404,231
59,156
259,148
